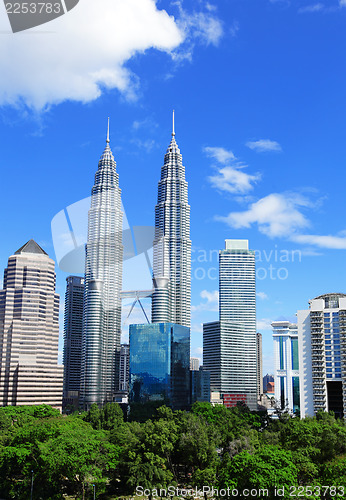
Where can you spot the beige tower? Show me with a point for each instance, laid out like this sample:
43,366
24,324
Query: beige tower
29,330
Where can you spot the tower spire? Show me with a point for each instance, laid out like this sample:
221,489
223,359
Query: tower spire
173,132
108,132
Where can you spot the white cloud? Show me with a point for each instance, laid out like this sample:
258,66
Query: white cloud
262,295
264,324
211,304
276,215
196,328
264,145
317,7
200,25
342,3
222,155
86,50
327,241
230,178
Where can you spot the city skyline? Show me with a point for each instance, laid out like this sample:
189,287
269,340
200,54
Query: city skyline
259,93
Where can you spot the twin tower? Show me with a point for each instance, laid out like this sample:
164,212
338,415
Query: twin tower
171,294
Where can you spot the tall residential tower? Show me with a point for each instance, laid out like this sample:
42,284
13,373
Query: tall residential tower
103,282
322,361
171,301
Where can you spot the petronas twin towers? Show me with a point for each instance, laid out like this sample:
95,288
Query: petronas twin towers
171,300
171,297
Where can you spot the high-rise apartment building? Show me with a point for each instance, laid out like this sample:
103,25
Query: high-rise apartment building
124,367
194,364
103,282
322,344
29,330
230,344
286,365
259,367
171,300
73,323
160,364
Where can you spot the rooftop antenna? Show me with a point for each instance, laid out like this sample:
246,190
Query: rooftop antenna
173,132
108,132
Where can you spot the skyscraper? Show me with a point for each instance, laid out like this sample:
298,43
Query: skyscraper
124,367
259,368
229,345
322,343
73,323
286,365
160,364
29,330
103,282
171,300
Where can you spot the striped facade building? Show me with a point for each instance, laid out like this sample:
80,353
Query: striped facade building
230,344
29,330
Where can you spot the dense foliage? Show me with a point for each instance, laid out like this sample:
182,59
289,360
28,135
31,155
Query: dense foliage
57,455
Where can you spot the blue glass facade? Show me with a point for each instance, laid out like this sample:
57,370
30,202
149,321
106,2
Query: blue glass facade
160,364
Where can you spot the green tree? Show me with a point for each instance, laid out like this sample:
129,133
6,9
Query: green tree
111,416
268,468
76,459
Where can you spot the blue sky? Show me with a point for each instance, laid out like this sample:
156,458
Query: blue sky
259,91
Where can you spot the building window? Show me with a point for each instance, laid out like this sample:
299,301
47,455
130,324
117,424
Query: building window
282,395
295,356
281,347
296,397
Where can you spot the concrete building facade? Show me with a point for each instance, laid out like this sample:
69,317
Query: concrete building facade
29,330
322,355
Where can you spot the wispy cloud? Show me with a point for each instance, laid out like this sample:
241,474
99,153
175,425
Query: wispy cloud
262,295
317,7
276,215
211,302
203,27
264,324
264,145
230,177
200,25
222,155
321,241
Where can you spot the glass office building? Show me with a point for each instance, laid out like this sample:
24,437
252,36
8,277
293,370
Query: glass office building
160,364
